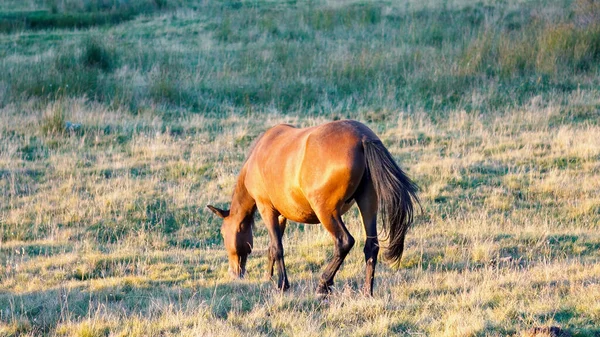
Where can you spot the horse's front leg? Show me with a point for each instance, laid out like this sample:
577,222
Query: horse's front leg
275,226
271,262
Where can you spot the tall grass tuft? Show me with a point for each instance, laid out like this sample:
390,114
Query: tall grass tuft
567,47
97,54
555,49
54,119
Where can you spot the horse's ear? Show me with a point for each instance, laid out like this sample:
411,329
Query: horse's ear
219,212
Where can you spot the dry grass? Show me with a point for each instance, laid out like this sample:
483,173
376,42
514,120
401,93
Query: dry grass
104,231
103,225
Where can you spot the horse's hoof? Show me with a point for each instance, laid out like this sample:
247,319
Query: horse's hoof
323,291
235,277
323,298
367,292
283,287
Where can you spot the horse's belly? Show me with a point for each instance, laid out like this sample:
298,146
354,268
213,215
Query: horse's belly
307,215
299,213
294,206
303,218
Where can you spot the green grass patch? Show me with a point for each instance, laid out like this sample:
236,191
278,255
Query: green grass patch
290,57
77,14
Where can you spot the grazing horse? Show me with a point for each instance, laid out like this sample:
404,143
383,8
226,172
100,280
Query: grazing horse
314,175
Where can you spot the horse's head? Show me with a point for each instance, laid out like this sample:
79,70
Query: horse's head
237,236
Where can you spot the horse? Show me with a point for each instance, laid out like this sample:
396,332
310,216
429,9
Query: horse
314,175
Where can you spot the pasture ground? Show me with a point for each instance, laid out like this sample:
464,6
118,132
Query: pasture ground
493,108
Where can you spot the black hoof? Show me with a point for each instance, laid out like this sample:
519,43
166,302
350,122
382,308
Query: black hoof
323,290
283,287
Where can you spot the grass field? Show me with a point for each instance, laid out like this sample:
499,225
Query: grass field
121,120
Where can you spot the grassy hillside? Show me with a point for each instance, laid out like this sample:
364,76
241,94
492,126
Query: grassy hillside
121,120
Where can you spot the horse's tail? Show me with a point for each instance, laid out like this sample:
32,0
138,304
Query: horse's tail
396,195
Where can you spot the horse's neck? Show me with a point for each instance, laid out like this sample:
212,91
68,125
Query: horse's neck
242,204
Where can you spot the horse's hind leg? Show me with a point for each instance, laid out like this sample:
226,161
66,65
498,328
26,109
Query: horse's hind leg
367,205
343,243
275,227
271,261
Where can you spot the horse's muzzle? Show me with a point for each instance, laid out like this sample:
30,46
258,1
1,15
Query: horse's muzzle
237,267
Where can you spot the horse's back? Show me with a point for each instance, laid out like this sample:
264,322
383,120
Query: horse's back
337,135
299,169
335,144
349,131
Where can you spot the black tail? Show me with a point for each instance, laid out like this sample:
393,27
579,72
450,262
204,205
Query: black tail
396,195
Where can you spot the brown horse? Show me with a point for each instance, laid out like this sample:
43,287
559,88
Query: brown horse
314,175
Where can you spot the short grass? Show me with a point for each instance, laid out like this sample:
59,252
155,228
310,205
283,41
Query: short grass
114,137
